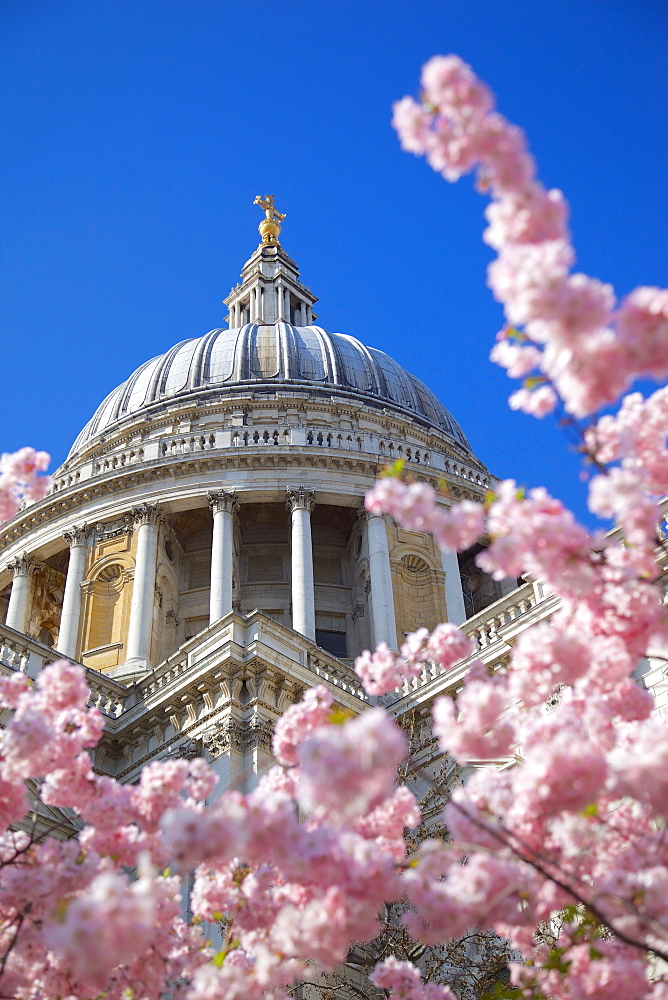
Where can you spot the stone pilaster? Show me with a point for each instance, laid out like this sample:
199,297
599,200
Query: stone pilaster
300,503
224,744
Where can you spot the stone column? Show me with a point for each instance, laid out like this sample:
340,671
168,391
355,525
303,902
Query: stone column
286,305
382,600
300,503
223,506
71,613
23,568
454,595
147,519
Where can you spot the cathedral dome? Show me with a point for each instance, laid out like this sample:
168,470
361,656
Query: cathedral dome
254,356
227,477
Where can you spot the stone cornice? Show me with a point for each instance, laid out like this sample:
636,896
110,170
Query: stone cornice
209,402
242,460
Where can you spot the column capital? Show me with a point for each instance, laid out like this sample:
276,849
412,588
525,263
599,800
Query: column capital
23,565
226,734
147,513
77,535
224,501
366,515
300,499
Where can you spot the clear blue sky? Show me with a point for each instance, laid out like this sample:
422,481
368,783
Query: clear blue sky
136,133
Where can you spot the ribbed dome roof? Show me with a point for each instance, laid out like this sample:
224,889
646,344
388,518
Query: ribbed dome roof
280,354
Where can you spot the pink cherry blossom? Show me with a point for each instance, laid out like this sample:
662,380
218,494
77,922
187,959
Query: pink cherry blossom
20,479
348,769
517,359
538,402
403,979
643,323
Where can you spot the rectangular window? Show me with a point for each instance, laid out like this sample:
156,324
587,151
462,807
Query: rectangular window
333,642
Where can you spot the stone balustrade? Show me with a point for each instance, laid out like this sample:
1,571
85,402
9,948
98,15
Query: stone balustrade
483,628
247,633
489,631
177,447
29,657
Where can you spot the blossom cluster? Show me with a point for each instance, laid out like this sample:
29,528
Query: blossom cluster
565,331
286,891
568,833
20,479
384,670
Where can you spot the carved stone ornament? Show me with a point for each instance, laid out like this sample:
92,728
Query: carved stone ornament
300,499
414,564
224,501
226,735
260,733
188,750
77,536
146,513
357,612
23,565
113,529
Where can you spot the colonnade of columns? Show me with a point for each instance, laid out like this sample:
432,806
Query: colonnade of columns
269,303
300,502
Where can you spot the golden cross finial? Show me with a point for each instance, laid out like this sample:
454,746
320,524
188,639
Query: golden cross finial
270,226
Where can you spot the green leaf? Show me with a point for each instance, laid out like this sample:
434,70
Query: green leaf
512,333
393,471
555,960
501,991
340,715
